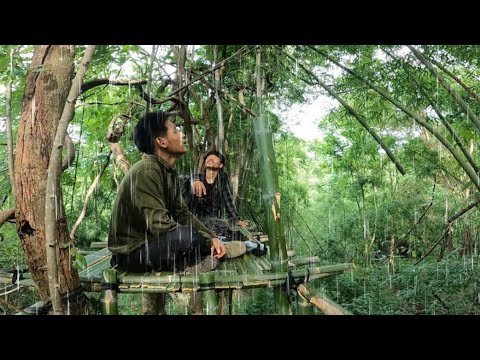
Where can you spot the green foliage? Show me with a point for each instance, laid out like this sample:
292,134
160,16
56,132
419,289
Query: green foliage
254,302
11,252
17,301
79,261
342,198
130,304
449,287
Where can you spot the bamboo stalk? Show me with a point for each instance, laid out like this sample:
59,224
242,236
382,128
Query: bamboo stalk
185,288
221,278
173,283
209,296
221,302
322,302
271,194
305,261
225,278
455,96
109,296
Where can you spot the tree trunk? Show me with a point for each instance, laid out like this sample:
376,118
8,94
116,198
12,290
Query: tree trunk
8,107
48,82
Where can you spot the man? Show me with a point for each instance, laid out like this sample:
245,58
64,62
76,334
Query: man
208,196
151,227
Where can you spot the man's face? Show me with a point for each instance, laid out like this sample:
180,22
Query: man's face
213,161
175,138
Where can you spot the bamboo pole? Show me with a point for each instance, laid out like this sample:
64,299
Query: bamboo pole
271,194
109,293
323,303
218,101
230,301
172,282
226,278
221,302
164,284
305,261
209,295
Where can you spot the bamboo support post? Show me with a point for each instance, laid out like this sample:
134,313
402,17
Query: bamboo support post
109,297
221,302
209,295
230,301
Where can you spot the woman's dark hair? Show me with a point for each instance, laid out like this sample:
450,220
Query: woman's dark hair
148,128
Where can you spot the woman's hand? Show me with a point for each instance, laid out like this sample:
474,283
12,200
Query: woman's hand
198,188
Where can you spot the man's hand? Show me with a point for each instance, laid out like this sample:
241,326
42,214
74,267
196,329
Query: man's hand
218,248
198,188
241,223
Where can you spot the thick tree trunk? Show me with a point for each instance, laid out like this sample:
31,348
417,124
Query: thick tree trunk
48,83
10,155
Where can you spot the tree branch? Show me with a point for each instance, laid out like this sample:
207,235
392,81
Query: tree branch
67,162
449,225
148,98
230,97
359,117
97,82
6,215
463,105
87,197
113,137
457,79
444,121
465,166
206,72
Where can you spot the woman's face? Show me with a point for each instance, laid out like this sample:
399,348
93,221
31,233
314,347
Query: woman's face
213,161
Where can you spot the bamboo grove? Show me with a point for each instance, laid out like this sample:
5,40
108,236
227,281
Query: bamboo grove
391,185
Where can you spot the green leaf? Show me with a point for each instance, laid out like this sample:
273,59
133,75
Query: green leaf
82,260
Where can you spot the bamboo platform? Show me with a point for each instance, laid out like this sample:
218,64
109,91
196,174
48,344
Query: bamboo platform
247,271
244,272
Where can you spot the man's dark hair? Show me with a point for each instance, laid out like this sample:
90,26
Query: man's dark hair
148,128
217,154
